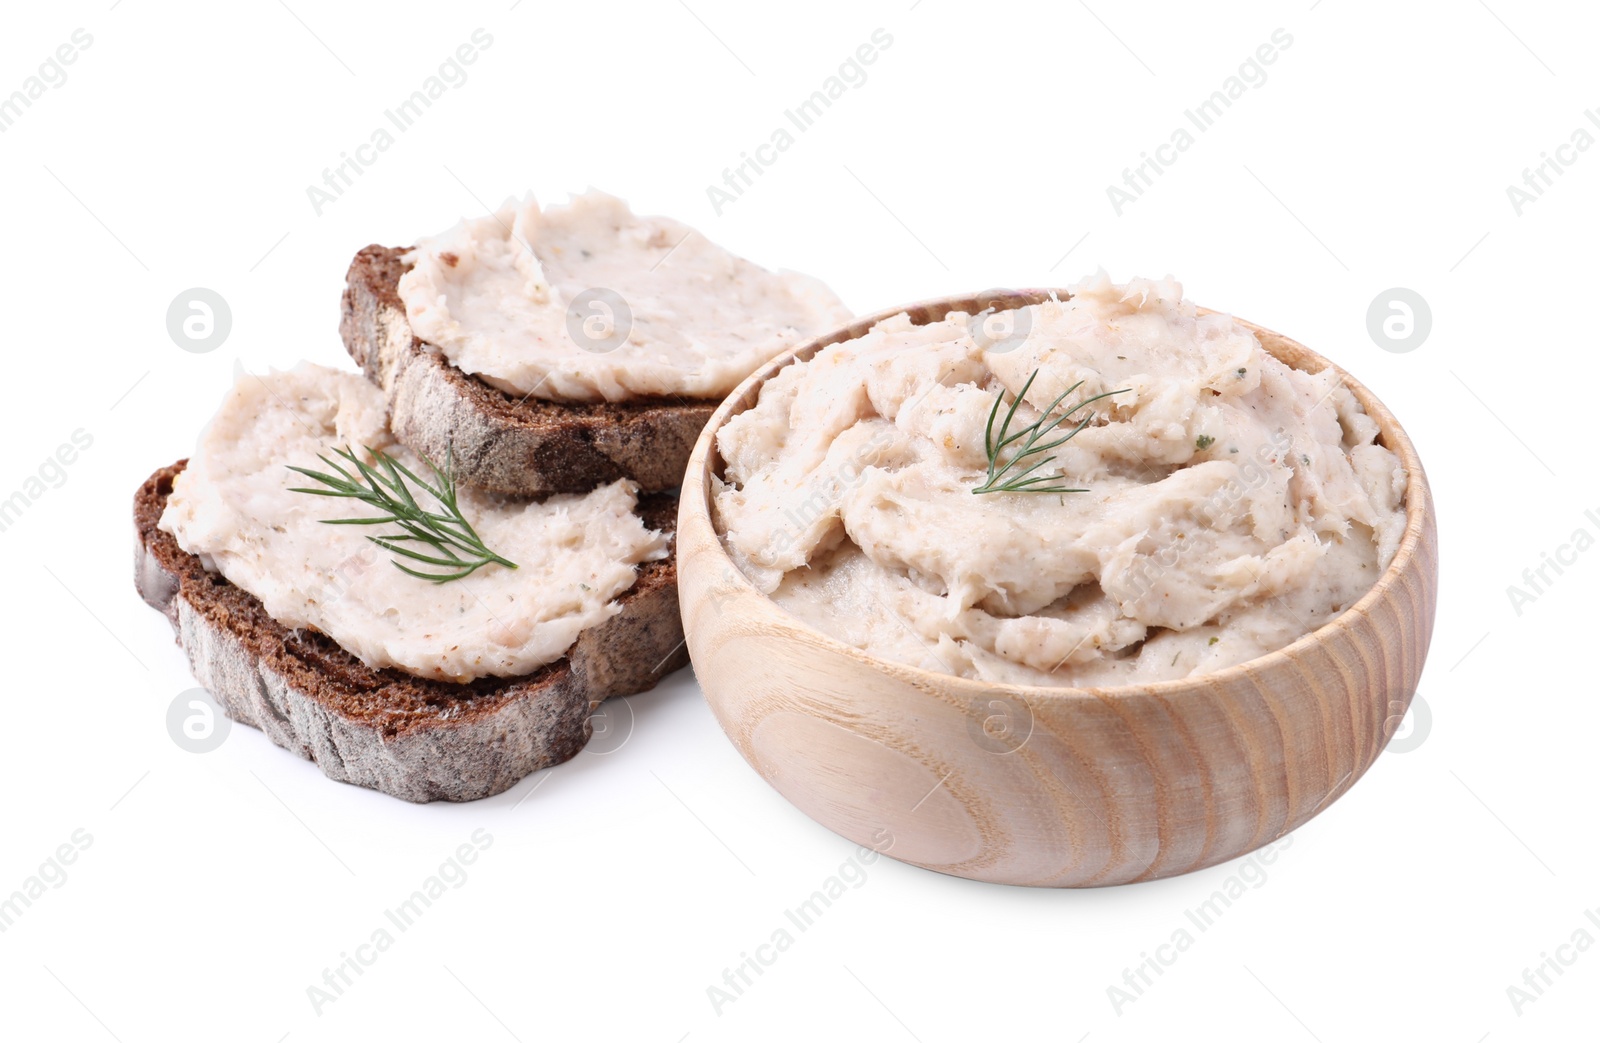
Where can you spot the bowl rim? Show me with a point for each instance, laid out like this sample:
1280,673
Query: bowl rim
1418,504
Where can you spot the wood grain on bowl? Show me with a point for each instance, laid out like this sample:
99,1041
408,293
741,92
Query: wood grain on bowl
1055,787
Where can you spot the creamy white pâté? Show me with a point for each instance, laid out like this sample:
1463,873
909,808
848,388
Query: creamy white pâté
1233,503
678,315
233,506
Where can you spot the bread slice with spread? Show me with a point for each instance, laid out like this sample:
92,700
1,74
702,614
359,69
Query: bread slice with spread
555,349
406,633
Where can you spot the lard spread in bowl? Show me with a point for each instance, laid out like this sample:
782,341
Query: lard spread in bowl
1211,505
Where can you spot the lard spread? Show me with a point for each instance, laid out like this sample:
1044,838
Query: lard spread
233,506
1232,503
589,302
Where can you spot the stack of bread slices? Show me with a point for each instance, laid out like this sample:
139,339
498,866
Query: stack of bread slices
426,578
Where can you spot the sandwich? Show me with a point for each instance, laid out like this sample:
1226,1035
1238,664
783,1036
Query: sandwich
367,609
554,349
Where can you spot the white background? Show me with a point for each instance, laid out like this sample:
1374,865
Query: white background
1377,154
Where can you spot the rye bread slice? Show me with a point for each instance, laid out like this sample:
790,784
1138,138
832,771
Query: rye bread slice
503,443
415,739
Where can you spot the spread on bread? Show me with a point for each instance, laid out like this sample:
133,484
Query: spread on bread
234,506
588,302
1229,503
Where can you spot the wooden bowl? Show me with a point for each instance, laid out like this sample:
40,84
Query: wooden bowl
1053,787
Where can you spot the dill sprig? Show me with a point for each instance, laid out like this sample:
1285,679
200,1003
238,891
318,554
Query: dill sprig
456,548
1025,481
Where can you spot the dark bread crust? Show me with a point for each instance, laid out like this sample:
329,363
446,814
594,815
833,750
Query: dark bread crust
522,447
412,738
